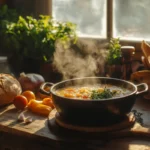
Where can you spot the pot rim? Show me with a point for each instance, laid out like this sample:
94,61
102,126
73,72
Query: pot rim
93,100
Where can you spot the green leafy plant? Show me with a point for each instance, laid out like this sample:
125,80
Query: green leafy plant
114,51
36,38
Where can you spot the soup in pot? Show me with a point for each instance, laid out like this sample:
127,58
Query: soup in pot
93,92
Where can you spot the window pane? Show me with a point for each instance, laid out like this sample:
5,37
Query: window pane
132,19
89,15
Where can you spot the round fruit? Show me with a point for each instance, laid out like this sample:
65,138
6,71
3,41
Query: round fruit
48,101
20,102
29,95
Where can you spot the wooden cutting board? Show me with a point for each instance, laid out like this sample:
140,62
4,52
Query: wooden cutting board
48,129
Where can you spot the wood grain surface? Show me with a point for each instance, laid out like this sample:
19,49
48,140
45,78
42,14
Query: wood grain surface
52,135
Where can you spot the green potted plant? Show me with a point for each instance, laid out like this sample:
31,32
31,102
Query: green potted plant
114,52
34,39
114,58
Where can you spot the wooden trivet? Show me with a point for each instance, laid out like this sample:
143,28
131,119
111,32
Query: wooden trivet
128,121
127,128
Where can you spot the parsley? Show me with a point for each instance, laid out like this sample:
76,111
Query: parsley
114,51
102,95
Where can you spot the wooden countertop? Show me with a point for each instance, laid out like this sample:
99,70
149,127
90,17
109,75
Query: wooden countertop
37,135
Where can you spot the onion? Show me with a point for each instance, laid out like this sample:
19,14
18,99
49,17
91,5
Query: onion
31,81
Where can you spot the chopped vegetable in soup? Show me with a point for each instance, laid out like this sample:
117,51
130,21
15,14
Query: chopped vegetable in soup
106,93
89,92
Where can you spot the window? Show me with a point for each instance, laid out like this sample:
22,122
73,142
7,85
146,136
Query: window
89,15
129,20
132,19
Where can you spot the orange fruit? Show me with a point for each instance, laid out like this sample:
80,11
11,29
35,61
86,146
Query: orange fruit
29,95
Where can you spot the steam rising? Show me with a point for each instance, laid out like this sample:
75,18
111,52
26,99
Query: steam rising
81,60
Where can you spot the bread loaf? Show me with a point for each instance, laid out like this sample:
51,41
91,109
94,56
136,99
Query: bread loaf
9,88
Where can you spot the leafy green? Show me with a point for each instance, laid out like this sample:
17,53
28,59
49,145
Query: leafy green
107,93
36,37
114,51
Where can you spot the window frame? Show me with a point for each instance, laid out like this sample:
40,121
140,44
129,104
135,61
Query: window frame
109,29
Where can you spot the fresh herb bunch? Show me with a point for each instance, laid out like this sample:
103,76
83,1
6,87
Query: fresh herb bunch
114,51
36,38
102,95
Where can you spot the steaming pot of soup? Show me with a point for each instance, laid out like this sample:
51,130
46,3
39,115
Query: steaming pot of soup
94,100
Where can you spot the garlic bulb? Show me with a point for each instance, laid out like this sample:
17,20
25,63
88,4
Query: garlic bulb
21,117
28,120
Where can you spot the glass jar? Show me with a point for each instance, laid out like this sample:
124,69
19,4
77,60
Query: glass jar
127,56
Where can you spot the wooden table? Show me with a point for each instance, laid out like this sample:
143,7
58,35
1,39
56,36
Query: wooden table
16,135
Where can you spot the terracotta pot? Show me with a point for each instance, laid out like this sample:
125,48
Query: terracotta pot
20,64
33,65
50,73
